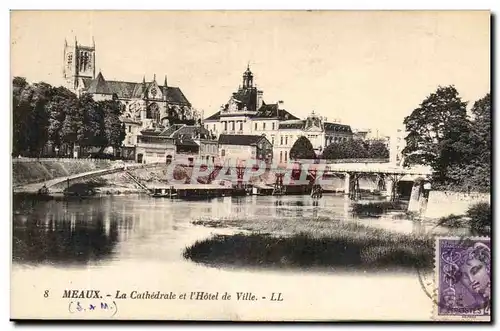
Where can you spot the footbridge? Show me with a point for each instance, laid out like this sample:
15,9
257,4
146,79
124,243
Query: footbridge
33,188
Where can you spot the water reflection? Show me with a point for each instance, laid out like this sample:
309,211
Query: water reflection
139,228
73,240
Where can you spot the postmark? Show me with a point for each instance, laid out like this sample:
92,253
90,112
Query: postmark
462,279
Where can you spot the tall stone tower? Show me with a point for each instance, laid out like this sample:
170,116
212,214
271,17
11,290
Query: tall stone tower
79,64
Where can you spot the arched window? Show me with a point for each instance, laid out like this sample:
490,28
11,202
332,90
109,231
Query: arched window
153,112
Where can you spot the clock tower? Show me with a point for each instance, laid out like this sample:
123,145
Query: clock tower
79,64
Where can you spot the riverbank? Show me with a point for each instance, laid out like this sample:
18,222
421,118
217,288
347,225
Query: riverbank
28,171
310,243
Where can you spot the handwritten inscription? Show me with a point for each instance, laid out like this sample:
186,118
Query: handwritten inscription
109,309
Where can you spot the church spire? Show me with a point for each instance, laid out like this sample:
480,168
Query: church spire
248,77
165,82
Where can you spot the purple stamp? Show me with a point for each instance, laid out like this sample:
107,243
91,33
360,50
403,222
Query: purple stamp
463,278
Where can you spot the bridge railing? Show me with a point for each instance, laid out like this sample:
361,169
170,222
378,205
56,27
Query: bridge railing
336,161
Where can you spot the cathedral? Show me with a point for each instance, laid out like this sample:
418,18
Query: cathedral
146,105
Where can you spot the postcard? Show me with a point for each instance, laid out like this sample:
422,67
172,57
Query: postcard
326,166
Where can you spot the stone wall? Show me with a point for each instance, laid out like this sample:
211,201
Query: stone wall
444,203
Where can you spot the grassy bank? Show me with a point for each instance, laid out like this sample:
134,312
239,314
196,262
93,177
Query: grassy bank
311,243
377,208
477,219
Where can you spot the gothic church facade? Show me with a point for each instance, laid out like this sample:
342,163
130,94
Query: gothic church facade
146,104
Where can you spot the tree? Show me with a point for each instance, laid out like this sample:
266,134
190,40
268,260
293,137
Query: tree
20,115
30,116
481,132
429,125
73,127
457,148
377,149
350,149
302,149
474,170
62,103
114,129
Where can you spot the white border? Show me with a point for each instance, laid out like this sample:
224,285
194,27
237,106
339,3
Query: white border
185,4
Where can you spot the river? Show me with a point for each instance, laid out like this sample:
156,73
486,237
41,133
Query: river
133,242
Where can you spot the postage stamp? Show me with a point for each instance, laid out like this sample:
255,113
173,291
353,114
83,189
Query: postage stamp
463,279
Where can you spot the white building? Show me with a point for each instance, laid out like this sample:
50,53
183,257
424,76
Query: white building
396,145
246,113
245,147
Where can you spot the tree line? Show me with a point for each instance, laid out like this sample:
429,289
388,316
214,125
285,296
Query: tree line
48,119
350,149
457,144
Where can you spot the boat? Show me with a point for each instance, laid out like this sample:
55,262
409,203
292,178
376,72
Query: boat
80,191
162,193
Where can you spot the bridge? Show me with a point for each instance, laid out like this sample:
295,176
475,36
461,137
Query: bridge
34,187
387,174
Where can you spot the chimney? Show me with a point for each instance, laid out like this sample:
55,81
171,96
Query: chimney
259,99
280,105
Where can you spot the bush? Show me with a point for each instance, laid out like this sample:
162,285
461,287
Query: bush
480,218
452,221
376,208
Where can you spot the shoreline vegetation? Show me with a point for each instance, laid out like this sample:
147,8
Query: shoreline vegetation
310,243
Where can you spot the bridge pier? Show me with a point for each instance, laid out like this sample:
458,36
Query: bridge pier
389,187
416,192
347,183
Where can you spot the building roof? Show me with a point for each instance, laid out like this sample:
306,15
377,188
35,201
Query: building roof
328,127
99,86
131,90
171,129
294,124
273,111
336,127
214,117
246,97
192,131
130,120
185,141
240,139
265,112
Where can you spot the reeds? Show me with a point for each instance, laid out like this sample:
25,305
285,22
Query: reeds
312,243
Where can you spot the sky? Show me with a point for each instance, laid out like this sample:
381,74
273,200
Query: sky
367,69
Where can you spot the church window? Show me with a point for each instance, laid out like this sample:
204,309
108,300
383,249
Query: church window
130,128
255,126
286,155
263,126
214,127
225,126
272,140
286,143
281,156
273,125
241,126
232,126
281,140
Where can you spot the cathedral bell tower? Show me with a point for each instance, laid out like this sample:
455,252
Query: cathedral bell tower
79,64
